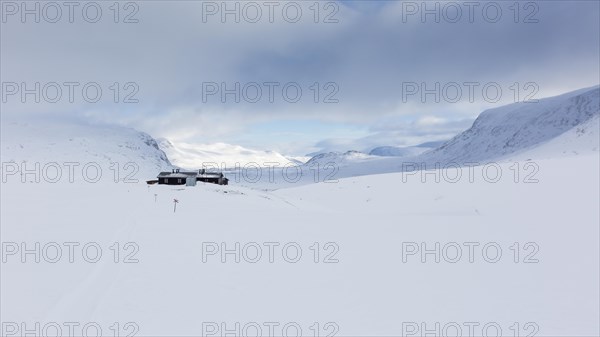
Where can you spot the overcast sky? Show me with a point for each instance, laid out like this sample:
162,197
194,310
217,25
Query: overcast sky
365,56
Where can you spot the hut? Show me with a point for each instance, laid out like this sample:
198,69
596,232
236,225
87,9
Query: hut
177,177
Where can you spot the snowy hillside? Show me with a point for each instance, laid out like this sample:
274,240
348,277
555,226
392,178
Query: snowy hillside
396,151
192,156
582,139
109,147
522,126
340,158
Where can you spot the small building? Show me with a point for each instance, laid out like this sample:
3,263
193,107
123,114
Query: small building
177,177
212,177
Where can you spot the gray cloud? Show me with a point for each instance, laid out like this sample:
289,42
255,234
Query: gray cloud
368,54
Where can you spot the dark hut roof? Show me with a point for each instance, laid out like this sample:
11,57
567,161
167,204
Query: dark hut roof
177,174
190,174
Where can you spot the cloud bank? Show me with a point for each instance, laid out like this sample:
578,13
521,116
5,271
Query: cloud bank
345,75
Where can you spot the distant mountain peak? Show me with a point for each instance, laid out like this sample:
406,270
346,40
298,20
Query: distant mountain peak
192,156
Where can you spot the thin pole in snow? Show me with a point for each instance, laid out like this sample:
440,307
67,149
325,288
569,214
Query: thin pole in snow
175,201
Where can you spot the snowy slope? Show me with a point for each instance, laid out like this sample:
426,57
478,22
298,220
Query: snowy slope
397,151
340,158
502,131
369,291
394,151
46,142
192,156
580,140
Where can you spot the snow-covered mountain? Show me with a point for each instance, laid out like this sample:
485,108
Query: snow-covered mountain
500,132
553,127
558,126
397,151
339,158
192,156
46,142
